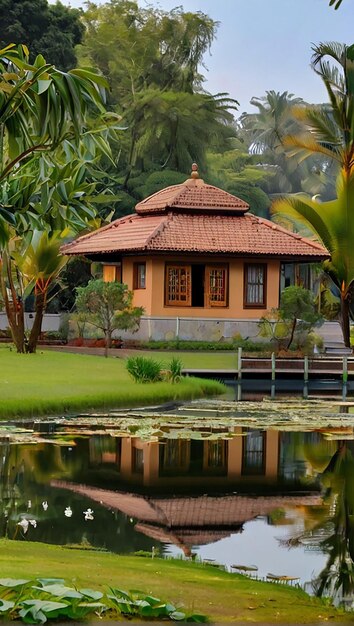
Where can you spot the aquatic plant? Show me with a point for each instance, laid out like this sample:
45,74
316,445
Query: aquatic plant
43,599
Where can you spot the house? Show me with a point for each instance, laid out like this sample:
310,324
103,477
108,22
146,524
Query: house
201,265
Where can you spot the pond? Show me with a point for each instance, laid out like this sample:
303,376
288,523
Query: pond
266,485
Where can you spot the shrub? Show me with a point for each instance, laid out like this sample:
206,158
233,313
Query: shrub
247,344
175,370
144,370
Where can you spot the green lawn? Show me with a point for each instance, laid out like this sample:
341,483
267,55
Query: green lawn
196,359
47,382
222,596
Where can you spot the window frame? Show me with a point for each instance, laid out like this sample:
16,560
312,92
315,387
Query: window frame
254,305
188,270
136,275
208,303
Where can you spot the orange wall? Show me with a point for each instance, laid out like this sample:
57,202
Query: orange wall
142,297
153,297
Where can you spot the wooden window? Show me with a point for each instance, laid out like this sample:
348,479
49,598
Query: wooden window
253,453
178,285
138,460
255,285
216,285
139,281
112,273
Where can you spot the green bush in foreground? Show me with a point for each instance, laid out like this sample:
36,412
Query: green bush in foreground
144,370
43,599
175,367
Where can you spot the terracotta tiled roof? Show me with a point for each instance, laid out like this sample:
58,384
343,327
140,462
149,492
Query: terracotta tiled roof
192,195
188,512
246,235
127,233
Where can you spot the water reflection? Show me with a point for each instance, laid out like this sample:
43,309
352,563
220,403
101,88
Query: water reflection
203,490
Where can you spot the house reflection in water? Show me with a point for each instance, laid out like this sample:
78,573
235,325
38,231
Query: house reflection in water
245,456
194,491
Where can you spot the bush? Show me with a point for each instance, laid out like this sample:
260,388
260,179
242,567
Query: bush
175,370
144,370
247,344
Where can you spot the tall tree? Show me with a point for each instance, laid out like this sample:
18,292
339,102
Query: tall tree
329,131
49,29
267,130
152,59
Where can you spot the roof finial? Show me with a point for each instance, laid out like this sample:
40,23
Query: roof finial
194,172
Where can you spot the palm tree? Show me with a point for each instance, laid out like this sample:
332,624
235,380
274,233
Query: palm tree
29,265
267,131
173,128
332,224
330,132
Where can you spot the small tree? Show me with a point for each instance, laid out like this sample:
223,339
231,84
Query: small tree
297,305
108,306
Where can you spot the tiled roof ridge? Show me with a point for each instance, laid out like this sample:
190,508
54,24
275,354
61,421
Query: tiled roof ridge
177,187
274,226
158,230
189,195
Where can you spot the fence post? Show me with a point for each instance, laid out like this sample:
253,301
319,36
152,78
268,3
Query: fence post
272,386
239,374
345,377
306,376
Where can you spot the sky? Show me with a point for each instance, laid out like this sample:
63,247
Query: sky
266,44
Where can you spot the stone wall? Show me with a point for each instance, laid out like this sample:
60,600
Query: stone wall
51,321
196,329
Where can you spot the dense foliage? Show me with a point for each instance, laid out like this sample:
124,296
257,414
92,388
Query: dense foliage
329,132
49,29
46,150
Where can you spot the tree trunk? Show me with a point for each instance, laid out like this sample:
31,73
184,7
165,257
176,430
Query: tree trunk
15,313
344,319
108,341
292,334
37,324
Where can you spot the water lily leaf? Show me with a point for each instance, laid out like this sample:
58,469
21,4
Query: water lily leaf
36,611
6,605
178,616
92,606
153,601
91,593
246,568
61,591
50,581
119,593
13,582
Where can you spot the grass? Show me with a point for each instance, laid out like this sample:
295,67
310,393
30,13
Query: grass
198,588
52,382
193,360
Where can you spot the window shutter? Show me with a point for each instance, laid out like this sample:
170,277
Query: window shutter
178,285
216,285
